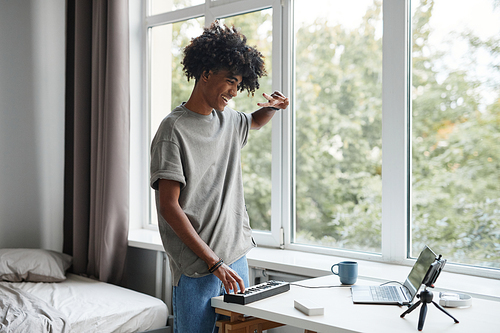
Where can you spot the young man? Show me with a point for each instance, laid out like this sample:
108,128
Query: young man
196,174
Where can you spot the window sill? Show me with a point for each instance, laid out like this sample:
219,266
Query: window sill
145,239
315,265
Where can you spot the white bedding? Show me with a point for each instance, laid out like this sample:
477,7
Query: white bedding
22,312
93,306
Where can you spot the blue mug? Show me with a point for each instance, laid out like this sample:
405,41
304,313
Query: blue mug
347,271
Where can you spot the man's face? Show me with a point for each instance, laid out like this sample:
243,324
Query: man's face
220,88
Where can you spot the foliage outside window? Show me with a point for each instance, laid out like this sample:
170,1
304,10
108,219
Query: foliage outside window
456,129
338,107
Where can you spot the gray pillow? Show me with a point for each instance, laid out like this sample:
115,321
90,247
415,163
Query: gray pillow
33,265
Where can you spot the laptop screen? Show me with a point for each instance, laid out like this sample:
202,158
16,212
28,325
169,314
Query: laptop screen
417,273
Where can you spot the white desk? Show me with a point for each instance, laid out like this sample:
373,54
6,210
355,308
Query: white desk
341,315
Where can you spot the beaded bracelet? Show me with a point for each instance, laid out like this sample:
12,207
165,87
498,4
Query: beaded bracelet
216,266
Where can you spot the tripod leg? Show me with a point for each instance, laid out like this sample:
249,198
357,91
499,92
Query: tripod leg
413,307
442,309
421,318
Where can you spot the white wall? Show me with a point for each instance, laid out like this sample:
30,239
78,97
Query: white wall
32,69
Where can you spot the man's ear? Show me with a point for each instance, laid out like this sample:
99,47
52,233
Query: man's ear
205,75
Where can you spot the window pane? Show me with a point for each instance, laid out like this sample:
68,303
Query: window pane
338,110
256,156
163,6
168,84
455,129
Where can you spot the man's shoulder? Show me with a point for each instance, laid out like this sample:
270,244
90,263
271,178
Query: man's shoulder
167,126
177,112
171,118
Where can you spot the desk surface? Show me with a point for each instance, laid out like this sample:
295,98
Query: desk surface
341,315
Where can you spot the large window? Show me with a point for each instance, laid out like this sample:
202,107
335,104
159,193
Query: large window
391,138
456,129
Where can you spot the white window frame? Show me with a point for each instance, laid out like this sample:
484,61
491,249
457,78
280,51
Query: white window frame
396,129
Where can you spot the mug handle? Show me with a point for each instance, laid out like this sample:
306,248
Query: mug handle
333,267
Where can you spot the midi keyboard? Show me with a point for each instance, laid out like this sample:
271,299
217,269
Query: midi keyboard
258,292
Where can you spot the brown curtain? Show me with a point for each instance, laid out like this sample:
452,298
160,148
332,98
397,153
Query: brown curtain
97,138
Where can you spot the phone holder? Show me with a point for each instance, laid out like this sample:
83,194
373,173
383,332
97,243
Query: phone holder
425,296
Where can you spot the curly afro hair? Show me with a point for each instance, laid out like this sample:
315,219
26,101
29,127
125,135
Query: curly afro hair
224,48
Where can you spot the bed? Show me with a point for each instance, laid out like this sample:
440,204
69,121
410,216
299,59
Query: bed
36,295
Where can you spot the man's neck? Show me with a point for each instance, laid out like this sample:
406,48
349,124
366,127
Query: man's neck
197,104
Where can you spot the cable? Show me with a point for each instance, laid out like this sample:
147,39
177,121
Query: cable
344,286
318,287
383,284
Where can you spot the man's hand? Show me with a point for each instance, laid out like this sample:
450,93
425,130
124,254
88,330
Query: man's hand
230,279
262,116
275,100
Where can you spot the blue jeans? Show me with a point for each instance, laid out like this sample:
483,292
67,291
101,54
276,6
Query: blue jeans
191,300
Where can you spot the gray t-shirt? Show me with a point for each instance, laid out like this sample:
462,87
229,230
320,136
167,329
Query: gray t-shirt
202,153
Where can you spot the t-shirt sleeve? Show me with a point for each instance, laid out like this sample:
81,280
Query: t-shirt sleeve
166,163
244,124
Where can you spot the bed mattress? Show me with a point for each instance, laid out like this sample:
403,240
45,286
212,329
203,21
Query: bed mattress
93,306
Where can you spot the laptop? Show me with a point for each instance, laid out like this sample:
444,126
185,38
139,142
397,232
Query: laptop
396,294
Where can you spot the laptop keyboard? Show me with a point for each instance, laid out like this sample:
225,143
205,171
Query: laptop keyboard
385,293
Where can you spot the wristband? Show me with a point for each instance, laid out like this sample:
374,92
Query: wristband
275,109
216,266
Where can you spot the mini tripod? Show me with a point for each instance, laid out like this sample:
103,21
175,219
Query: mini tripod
426,296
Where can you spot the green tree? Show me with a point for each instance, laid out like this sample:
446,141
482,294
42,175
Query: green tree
455,152
339,115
